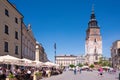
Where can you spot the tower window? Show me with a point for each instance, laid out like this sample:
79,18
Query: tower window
96,58
95,40
95,50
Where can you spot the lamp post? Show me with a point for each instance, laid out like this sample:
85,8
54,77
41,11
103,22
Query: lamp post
55,51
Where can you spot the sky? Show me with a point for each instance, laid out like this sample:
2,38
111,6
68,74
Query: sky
65,22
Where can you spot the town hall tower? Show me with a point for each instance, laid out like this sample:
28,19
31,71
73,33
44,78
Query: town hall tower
93,44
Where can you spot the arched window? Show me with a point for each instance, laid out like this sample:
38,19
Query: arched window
95,40
96,57
95,50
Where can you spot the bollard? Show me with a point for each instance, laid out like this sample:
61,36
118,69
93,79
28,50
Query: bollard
34,76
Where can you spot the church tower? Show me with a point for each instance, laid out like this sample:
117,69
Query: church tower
93,44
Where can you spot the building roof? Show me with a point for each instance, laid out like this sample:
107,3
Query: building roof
93,22
14,7
66,56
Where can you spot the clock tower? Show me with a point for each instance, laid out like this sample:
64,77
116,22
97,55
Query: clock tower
93,44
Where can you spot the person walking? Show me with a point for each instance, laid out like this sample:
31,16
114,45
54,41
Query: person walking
80,70
101,71
75,71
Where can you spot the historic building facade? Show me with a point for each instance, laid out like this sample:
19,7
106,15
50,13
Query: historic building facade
80,59
16,39
28,42
66,60
10,29
115,54
40,53
93,44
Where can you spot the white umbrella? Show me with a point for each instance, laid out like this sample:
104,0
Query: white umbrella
7,59
38,63
50,64
107,67
85,67
27,62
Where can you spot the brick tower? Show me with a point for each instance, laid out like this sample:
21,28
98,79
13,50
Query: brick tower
93,44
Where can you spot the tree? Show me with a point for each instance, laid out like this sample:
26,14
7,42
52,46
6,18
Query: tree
72,65
91,66
80,65
104,62
86,64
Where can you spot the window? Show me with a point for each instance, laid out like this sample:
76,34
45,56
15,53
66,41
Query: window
119,52
6,12
16,49
114,50
16,20
6,46
95,50
95,40
6,29
16,35
96,58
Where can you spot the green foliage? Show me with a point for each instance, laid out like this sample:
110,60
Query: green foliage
80,65
72,65
38,74
103,62
11,76
91,66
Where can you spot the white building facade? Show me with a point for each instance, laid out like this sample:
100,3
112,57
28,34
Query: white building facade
66,60
80,60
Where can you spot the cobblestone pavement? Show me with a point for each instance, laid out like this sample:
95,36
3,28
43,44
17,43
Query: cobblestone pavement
69,75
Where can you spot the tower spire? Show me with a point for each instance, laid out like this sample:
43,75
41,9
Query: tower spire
93,13
93,21
92,8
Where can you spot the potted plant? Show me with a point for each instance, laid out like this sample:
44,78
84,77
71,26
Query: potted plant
37,75
11,77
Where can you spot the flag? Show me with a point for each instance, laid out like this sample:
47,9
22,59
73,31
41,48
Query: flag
54,45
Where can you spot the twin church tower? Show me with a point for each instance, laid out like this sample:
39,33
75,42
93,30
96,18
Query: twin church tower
93,43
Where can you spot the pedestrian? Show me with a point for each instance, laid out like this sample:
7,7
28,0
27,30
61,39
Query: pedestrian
75,71
101,71
80,70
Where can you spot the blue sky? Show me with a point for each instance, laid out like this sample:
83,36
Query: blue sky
65,22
